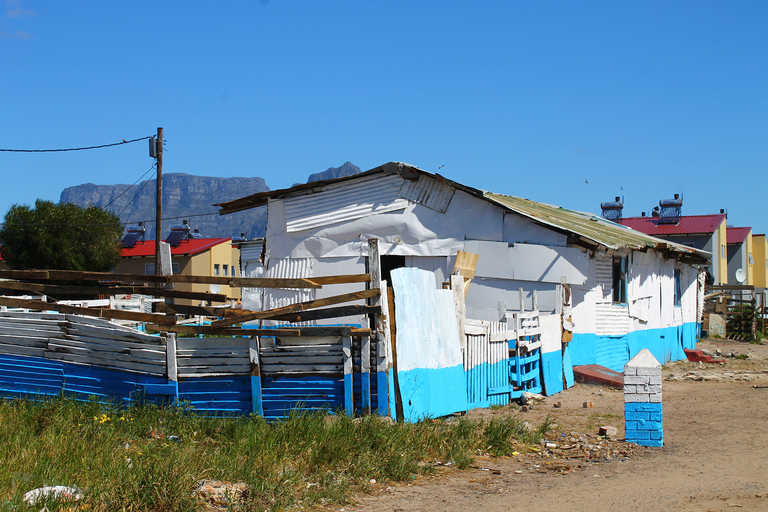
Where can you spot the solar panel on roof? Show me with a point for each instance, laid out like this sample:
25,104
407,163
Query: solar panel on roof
176,237
131,238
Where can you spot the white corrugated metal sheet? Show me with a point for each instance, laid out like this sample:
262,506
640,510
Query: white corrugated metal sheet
429,192
290,268
352,200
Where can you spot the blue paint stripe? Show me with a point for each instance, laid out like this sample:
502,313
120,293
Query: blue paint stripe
613,352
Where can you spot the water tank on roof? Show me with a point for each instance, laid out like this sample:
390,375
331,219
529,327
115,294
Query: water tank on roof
612,209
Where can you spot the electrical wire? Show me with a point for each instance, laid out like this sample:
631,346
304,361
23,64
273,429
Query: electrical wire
129,188
134,197
75,149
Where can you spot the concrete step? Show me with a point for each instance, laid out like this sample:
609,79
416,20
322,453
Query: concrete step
598,375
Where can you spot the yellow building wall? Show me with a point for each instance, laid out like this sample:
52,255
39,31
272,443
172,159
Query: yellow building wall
760,254
200,264
750,263
722,254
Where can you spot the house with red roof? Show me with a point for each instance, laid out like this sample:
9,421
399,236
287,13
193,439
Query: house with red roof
740,258
704,232
189,256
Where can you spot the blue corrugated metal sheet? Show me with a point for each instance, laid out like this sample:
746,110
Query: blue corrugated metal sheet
282,394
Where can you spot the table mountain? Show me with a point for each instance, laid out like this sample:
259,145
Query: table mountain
188,197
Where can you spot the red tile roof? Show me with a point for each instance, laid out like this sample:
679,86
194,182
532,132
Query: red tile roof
185,248
688,225
736,235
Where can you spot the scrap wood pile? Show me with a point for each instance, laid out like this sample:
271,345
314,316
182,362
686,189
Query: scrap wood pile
48,283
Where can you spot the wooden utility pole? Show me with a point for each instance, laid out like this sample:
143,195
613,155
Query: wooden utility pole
159,200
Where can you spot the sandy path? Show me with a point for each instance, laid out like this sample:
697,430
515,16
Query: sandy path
715,455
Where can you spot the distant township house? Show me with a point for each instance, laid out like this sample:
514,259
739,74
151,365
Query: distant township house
705,232
190,255
603,289
741,260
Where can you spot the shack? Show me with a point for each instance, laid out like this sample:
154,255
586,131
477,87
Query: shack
603,291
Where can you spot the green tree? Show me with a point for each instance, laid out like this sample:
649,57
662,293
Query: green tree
61,237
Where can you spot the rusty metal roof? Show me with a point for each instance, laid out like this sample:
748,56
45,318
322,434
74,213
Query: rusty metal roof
589,227
687,225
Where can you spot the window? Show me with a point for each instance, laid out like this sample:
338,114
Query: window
678,288
619,280
751,259
723,253
216,269
225,269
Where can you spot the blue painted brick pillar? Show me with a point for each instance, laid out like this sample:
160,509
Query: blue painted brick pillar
643,419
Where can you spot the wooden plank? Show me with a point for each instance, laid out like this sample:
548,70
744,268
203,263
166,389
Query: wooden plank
211,343
459,303
101,313
28,341
273,359
321,314
113,343
57,290
213,363
113,334
79,358
344,279
191,371
251,282
282,331
303,341
178,309
336,299
171,359
16,350
180,294
15,331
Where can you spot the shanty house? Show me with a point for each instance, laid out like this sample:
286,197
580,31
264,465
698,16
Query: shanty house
603,290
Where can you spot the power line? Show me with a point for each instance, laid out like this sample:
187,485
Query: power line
103,224
136,196
74,149
129,188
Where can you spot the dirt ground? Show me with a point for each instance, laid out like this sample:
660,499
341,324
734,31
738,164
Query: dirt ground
715,454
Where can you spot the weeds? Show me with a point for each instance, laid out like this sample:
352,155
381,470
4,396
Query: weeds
149,458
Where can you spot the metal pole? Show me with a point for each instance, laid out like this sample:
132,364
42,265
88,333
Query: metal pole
159,200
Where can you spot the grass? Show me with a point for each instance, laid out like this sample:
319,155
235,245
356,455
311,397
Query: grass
147,458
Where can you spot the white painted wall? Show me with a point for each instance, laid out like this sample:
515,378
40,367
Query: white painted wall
650,296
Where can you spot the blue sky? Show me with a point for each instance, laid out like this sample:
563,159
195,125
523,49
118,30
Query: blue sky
534,99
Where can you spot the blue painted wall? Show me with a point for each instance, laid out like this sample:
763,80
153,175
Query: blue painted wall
614,351
552,372
25,376
432,392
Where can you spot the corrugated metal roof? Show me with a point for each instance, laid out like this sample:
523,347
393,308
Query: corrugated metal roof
427,191
337,203
588,227
736,235
687,225
187,248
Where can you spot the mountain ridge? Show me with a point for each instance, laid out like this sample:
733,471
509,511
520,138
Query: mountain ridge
188,197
